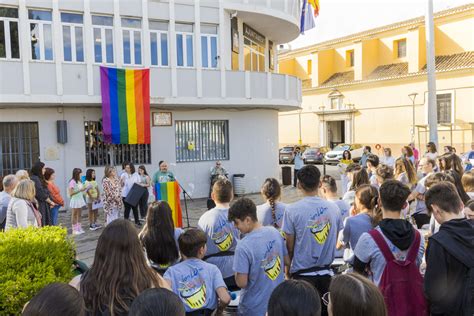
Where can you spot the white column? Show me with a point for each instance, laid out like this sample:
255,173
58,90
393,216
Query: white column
146,35
322,134
89,46
197,40
25,36
348,131
172,54
222,50
58,50
118,35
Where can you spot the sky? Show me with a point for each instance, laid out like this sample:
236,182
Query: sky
339,18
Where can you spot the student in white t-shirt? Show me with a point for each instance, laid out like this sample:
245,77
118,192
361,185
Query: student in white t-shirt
128,178
372,164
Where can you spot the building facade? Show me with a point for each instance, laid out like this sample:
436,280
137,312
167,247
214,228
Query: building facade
215,93
371,87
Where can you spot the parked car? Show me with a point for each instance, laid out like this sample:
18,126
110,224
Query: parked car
314,155
335,155
287,155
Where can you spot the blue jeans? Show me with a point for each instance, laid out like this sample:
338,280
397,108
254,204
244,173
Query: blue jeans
54,214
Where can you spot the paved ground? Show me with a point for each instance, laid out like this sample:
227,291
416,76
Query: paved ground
87,242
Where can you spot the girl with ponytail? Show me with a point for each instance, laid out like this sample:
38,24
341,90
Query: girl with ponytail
368,217
271,213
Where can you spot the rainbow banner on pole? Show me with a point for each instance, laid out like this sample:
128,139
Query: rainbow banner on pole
125,105
169,192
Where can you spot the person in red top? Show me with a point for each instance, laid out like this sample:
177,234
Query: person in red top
416,153
55,194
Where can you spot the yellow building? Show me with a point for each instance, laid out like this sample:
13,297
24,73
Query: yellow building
359,88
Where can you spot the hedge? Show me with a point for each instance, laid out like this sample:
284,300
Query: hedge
30,259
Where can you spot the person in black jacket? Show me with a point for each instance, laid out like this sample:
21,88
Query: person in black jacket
43,199
449,277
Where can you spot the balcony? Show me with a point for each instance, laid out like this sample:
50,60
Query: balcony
188,89
269,17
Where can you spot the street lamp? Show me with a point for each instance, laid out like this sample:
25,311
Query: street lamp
300,141
412,96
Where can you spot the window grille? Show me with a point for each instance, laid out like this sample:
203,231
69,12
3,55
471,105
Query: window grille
19,146
99,153
444,106
202,140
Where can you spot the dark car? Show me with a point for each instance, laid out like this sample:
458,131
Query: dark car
287,155
314,155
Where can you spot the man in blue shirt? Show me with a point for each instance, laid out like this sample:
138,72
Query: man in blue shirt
365,155
299,163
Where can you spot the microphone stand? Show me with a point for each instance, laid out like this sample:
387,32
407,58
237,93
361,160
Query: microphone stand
185,193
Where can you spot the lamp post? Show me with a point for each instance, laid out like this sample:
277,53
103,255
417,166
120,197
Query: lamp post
412,96
300,141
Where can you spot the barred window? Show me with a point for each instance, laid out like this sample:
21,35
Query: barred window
99,153
443,104
19,146
202,140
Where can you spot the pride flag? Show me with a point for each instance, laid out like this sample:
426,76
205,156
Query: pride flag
125,105
169,192
315,5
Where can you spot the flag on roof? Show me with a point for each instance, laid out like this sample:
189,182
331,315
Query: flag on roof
307,20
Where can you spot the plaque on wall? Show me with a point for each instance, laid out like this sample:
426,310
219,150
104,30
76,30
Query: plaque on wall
162,119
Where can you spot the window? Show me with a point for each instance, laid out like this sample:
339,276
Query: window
73,43
444,108
350,58
309,67
209,46
132,41
100,154
254,50
9,39
184,45
336,103
401,48
19,146
41,34
159,43
102,27
202,140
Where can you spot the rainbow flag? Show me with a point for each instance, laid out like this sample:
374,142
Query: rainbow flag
169,192
125,105
315,5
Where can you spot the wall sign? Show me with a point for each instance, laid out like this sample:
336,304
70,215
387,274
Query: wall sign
162,119
253,35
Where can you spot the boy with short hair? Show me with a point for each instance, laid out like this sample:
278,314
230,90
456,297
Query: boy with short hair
222,236
372,164
259,261
311,226
329,192
449,277
393,239
198,284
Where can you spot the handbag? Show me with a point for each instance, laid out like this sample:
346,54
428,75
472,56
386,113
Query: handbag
36,213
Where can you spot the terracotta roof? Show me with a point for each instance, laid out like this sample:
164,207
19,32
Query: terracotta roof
455,61
339,78
418,21
399,70
391,70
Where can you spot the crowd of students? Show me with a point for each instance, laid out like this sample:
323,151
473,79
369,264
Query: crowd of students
408,248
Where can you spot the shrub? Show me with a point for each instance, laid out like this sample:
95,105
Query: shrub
30,259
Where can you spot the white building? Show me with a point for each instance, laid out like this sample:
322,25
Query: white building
213,81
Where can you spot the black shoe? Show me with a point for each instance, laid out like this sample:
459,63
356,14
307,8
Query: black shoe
138,224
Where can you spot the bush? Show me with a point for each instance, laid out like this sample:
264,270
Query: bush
30,259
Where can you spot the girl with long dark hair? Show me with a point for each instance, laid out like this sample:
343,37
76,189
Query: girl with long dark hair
159,237
127,179
145,181
42,193
119,272
76,194
271,213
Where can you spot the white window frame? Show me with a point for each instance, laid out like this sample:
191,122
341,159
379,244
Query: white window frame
6,27
185,49
209,55
41,23
72,34
131,31
103,42
158,47
398,48
253,51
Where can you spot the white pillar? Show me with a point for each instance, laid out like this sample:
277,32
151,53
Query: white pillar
172,55
197,40
57,47
118,35
146,35
222,49
24,29
430,61
89,46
